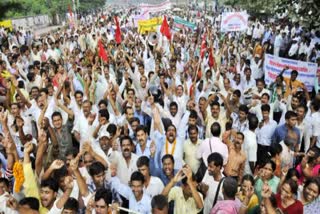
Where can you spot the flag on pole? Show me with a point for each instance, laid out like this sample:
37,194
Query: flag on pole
165,28
203,46
102,52
211,58
118,31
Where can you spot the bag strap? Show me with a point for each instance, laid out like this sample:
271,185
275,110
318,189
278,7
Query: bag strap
217,192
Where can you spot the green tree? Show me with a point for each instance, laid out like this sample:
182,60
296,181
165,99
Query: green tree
7,6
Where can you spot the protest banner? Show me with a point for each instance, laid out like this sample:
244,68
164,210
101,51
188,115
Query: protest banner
143,16
149,25
179,24
274,65
6,24
234,21
154,8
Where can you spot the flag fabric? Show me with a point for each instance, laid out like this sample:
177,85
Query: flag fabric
165,28
102,52
118,31
70,10
203,46
211,58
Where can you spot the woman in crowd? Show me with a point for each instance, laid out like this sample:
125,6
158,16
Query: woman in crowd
309,196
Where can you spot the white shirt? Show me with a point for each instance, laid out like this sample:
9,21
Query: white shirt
154,187
315,123
213,186
124,170
217,145
264,134
143,206
250,148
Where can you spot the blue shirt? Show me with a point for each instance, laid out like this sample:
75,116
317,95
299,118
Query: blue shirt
281,132
143,206
158,172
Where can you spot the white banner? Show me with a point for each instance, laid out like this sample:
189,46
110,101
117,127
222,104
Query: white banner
153,8
234,21
274,65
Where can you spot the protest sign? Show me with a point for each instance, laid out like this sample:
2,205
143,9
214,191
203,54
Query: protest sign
149,25
274,65
154,8
179,24
234,21
6,24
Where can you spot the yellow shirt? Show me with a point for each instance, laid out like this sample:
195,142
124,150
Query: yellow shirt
222,120
291,86
254,201
30,185
190,154
181,205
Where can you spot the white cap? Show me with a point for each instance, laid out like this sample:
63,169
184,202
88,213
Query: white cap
104,133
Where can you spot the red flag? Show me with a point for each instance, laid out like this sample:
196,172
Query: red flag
118,31
70,10
211,58
203,46
102,52
165,28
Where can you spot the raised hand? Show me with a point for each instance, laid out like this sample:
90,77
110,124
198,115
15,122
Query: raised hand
68,182
28,148
57,164
187,171
179,176
153,149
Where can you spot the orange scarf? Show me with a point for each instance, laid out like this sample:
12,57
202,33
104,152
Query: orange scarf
173,148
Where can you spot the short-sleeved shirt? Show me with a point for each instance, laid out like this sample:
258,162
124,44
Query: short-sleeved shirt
181,205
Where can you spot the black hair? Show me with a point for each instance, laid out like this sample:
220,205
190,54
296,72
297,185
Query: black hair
105,102
185,179
159,202
244,108
242,135
193,114
78,92
265,107
173,103
96,168
216,158
253,122
248,177
72,152
314,180
5,181
290,114
104,113
266,94
293,185
125,138
32,202
51,184
192,127
237,93
141,128
269,161
167,156
104,194
137,176
112,129
294,72
143,161
55,114
60,173
71,204
230,187
291,173
215,103
215,129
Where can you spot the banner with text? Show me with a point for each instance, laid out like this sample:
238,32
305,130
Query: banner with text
234,21
274,65
150,25
180,24
154,8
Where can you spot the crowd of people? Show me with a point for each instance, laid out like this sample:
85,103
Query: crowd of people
93,125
